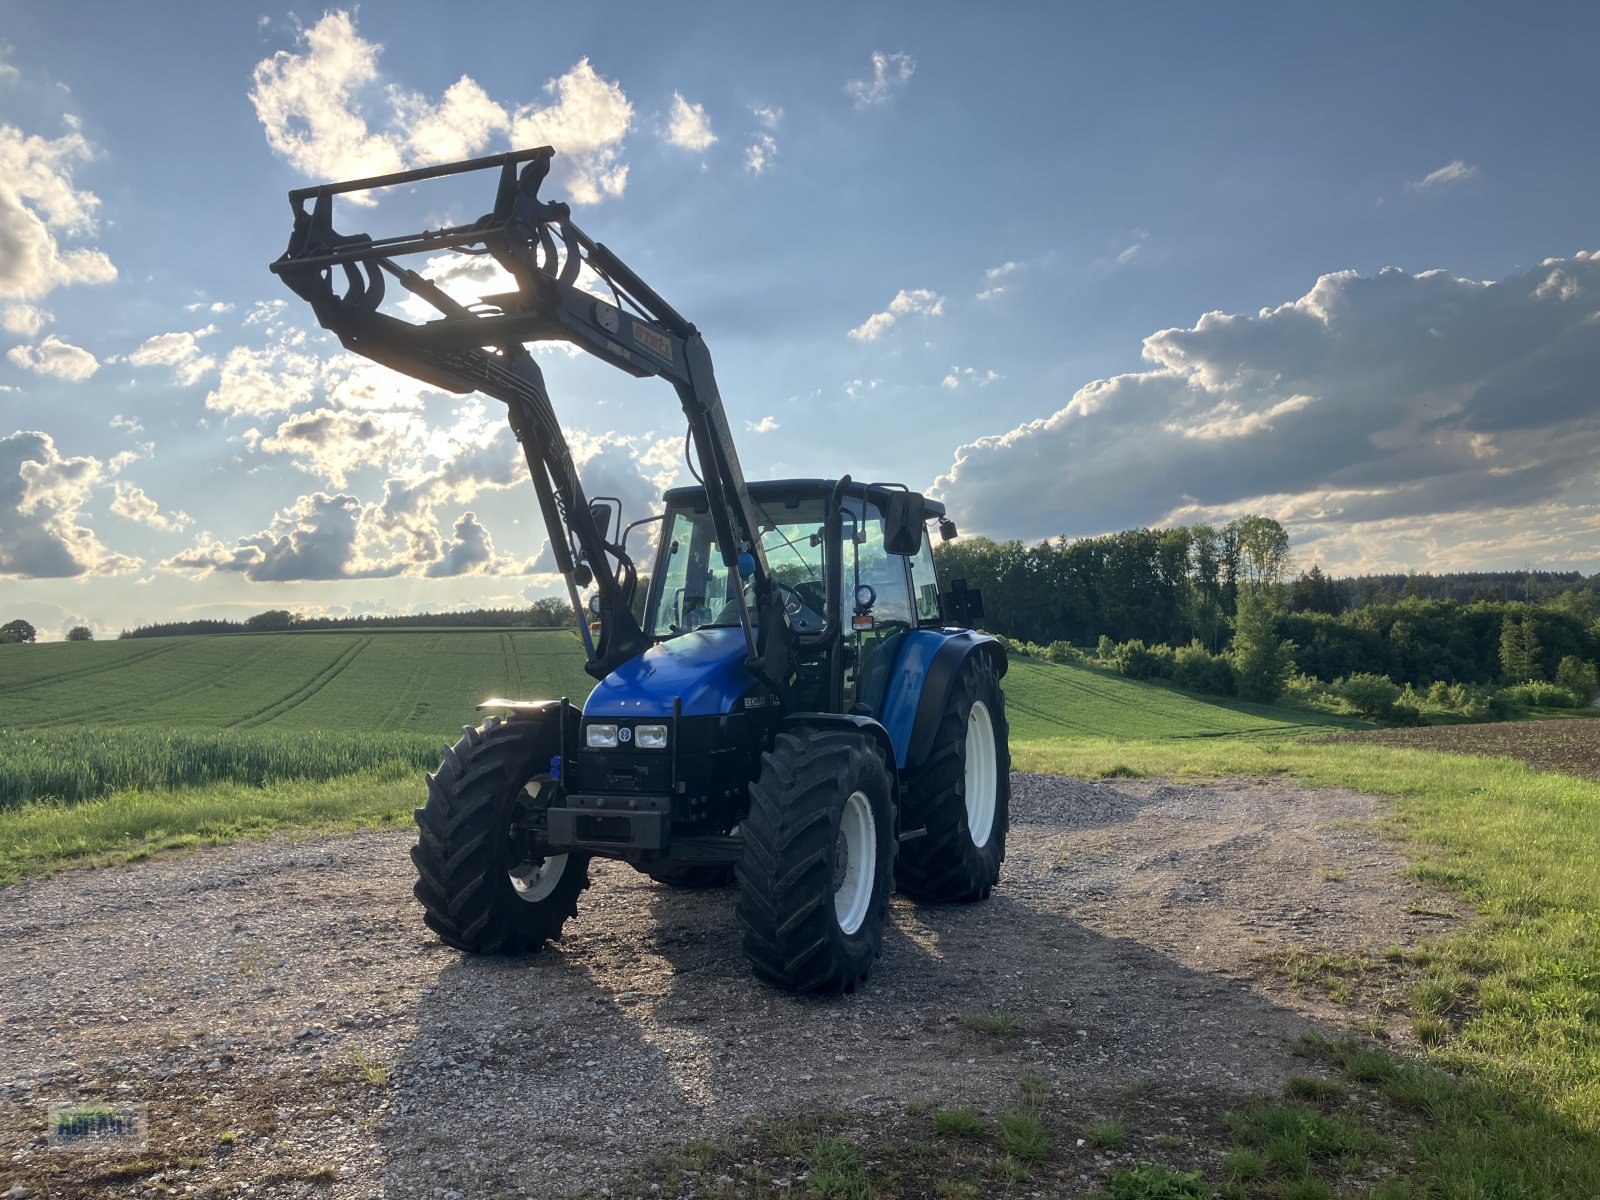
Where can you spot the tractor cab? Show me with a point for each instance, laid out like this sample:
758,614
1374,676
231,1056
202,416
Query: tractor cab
848,596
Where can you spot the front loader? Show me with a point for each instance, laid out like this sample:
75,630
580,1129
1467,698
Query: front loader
802,707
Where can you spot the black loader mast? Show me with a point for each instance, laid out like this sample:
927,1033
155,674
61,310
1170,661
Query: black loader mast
482,348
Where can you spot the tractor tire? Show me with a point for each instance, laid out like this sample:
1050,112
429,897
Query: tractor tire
692,876
480,891
961,794
818,866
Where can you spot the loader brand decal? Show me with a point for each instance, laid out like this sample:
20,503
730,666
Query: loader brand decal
652,341
760,701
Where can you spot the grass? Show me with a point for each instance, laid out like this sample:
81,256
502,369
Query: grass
79,763
1106,1134
1568,742
995,1024
41,837
959,1122
1046,701
946,1154
1333,972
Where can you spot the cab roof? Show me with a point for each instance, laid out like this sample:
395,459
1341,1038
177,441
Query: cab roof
766,491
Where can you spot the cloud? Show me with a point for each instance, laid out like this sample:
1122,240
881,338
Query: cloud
305,104
586,124
333,442
1396,397
24,319
310,104
916,302
265,312
759,153
56,357
765,425
319,537
258,382
41,493
180,351
770,116
38,201
131,502
890,73
1450,173
458,127
215,306
969,375
336,536
688,127
464,278
470,551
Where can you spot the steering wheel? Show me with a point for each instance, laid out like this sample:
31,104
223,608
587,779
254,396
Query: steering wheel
804,604
812,594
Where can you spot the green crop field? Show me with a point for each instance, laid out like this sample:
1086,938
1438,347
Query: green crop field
81,721
428,682
421,681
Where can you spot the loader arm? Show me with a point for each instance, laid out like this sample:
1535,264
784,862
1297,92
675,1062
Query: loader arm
483,348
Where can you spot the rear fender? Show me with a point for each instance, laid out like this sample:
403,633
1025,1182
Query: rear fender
940,675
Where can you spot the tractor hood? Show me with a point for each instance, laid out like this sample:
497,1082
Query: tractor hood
705,668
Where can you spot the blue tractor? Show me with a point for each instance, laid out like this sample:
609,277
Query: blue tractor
790,699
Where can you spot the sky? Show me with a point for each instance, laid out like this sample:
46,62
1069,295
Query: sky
1068,268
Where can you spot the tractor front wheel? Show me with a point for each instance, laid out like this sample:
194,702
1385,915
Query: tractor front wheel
961,795
818,865
483,884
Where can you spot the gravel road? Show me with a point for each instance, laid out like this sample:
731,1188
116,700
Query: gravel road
296,1031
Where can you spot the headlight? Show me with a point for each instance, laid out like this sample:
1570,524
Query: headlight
601,737
650,737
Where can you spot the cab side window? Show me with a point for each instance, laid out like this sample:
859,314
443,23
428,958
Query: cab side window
873,565
924,584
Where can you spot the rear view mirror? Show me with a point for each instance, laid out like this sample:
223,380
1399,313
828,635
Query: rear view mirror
902,522
605,513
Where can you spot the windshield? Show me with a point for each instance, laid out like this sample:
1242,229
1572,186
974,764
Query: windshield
693,589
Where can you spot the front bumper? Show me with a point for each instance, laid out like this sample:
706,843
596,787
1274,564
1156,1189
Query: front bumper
610,823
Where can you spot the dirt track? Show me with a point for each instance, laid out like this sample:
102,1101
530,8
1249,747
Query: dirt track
287,992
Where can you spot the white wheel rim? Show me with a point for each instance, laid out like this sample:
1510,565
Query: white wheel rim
982,774
855,862
535,881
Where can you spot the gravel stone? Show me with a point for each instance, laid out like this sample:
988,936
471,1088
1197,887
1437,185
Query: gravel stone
295,1028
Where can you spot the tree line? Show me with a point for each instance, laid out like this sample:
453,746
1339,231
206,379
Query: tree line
1214,609
549,612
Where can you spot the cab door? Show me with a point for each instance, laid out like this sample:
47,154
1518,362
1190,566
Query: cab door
876,619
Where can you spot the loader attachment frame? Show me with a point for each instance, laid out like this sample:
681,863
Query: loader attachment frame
483,347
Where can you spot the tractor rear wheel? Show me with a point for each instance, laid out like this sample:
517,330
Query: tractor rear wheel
819,847
961,794
484,887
